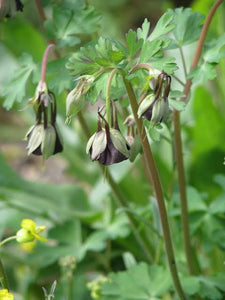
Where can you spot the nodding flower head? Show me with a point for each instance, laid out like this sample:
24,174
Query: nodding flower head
43,138
155,106
76,98
107,145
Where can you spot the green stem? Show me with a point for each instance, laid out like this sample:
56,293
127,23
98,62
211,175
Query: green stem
150,163
3,277
178,145
8,240
111,75
119,197
183,61
183,194
178,80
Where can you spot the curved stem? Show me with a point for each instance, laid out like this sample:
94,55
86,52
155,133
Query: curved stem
178,146
141,66
119,197
7,240
44,62
111,75
150,164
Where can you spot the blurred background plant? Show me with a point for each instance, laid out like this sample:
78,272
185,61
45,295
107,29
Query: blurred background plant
88,236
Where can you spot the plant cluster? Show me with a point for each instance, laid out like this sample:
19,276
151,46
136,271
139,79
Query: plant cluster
142,232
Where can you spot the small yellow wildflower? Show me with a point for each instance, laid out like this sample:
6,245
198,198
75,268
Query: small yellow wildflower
29,232
5,295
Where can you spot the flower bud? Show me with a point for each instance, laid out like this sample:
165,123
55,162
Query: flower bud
74,103
24,236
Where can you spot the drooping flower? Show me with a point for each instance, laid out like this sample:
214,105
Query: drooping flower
43,138
43,141
29,232
6,295
107,145
155,106
8,8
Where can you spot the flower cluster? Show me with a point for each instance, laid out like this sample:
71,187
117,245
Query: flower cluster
155,106
43,138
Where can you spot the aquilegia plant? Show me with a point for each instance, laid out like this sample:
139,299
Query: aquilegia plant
137,92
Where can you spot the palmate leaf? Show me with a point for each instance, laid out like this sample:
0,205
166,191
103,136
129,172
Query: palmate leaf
103,53
15,89
67,23
188,25
60,77
138,282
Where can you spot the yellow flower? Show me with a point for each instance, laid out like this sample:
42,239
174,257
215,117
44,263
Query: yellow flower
5,295
29,232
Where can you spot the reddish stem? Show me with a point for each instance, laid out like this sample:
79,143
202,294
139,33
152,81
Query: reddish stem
44,62
200,45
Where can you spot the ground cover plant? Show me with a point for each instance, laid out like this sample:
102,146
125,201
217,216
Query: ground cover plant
138,120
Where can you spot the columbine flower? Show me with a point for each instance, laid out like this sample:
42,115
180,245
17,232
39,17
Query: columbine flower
43,141
43,138
107,145
5,295
155,106
29,232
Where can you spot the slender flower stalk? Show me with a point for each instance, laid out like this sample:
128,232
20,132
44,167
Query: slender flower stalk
151,168
178,144
44,62
11,238
111,75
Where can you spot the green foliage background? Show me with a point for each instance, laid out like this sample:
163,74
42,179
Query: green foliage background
77,206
